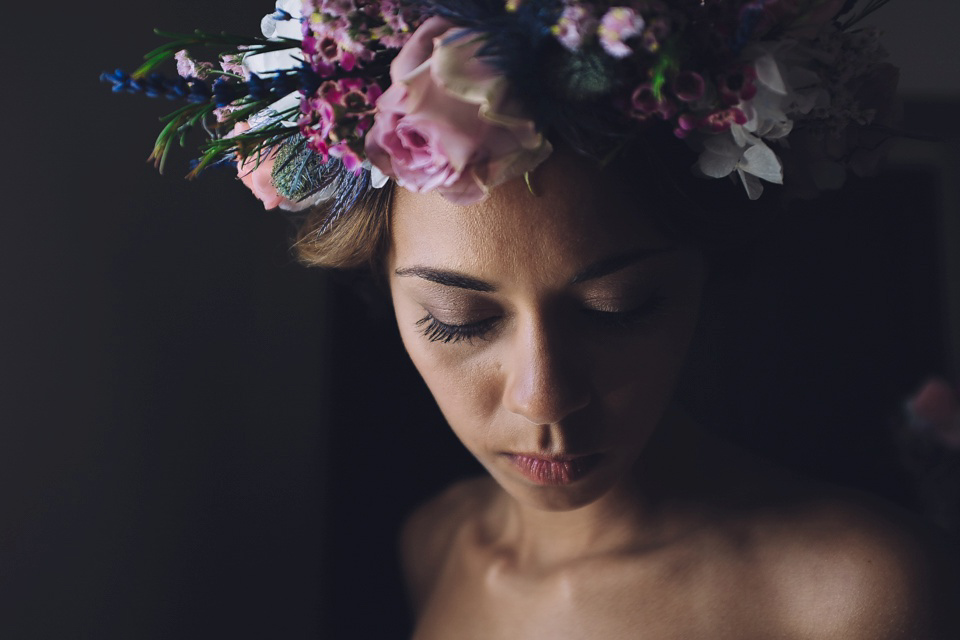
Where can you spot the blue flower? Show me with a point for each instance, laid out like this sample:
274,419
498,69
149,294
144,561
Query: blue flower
224,92
120,80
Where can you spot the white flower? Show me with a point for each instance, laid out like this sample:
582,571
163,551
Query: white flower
787,90
276,25
279,25
752,159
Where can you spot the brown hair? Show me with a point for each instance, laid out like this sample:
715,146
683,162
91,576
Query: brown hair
347,236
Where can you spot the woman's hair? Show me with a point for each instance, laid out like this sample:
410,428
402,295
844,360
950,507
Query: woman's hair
715,215
347,235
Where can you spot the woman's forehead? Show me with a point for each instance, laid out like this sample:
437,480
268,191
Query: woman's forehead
577,215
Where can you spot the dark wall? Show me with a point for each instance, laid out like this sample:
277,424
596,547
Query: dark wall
199,438
162,401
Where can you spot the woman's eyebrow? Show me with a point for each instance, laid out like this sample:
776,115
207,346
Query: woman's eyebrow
448,278
615,263
598,269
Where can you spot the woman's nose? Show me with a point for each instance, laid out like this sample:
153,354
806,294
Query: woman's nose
544,382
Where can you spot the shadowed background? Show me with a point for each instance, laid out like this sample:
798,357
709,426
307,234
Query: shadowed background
199,438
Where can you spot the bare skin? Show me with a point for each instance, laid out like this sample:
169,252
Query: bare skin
556,327
719,546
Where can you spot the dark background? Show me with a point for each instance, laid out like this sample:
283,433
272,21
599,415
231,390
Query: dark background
199,438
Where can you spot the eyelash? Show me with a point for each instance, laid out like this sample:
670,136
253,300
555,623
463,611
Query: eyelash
436,331
650,308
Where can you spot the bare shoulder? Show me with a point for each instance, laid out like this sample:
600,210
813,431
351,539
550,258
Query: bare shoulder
845,565
428,533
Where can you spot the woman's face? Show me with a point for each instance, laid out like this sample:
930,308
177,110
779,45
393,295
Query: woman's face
550,329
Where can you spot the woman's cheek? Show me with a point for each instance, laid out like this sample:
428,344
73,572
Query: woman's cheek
467,389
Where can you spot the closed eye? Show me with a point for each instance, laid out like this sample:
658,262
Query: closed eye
437,331
649,309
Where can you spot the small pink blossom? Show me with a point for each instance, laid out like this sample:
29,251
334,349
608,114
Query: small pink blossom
332,42
188,67
448,121
618,25
338,115
686,124
721,120
575,25
234,64
351,158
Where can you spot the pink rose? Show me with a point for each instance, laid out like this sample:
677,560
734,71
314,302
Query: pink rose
448,122
258,177
936,407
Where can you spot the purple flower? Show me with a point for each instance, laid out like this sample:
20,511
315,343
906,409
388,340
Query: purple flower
688,86
645,104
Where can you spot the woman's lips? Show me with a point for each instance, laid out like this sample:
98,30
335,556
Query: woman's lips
553,471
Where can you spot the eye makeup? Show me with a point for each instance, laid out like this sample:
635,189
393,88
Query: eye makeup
630,298
436,331
630,318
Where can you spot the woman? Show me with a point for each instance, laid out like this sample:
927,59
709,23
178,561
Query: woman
551,331
546,265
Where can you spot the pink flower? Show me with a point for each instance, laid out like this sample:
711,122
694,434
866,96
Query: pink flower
187,67
234,64
397,27
618,25
448,122
256,174
575,25
722,119
936,407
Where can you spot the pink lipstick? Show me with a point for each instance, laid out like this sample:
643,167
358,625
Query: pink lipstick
553,471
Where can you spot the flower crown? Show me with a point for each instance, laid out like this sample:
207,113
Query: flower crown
458,96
